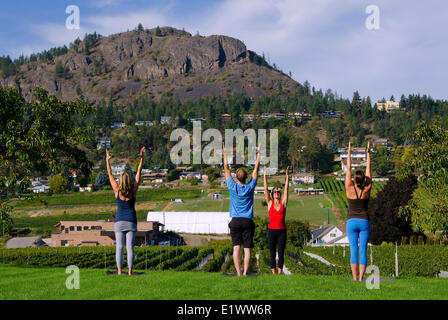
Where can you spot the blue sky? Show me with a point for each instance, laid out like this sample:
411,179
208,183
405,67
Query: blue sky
323,41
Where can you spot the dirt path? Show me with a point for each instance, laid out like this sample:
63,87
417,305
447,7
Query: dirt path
167,206
200,240
339,218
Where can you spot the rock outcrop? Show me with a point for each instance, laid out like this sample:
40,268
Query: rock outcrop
171,63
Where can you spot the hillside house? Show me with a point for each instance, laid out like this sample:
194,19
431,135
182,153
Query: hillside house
388,106
359,157
303,178
117,168
155,177
309,192
103,143
25,242
117,125
328,235
144,123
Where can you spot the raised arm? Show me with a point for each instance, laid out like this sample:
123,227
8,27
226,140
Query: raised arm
285,192
226,166
112,181
368,173
348,173
139,170
257,165
267,194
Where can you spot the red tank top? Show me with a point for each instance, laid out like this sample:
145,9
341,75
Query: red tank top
277,218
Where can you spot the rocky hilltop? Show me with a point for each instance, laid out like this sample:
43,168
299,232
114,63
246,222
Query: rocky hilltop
162,62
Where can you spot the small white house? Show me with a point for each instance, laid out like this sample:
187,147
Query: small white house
103,143
328,235
303,178
117,169
144,123
118,125
40,188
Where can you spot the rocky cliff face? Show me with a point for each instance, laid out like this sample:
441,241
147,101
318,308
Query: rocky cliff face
171,63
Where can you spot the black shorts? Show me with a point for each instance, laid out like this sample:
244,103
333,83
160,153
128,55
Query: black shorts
242,232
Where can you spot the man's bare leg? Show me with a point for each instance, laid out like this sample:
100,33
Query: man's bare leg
237,259
246,260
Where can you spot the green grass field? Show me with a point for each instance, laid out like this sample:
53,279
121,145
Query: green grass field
311,209
49,283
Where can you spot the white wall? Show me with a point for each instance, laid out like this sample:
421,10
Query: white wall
327,238
193,222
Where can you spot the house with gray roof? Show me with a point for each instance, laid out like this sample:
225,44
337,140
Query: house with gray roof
328,235
25,242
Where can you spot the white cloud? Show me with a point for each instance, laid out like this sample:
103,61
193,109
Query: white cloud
105,3
57,34
109,24
53,34
326,42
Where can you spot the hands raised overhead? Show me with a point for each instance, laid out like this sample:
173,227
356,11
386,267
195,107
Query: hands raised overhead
108,156
142,152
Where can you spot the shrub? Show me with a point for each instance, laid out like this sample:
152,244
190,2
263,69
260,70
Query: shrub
404,240
58,183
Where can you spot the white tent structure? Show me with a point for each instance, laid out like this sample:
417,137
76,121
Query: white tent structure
192,222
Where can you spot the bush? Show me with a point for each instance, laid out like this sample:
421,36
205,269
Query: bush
387,224
58,183
403,241
298,232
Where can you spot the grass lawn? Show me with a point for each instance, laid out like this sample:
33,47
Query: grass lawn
312,209
49,283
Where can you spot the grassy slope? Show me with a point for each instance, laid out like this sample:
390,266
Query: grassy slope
49,283
306,208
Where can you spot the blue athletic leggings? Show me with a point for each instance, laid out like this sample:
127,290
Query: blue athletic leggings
358,229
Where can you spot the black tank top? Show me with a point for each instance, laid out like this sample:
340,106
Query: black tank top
358,208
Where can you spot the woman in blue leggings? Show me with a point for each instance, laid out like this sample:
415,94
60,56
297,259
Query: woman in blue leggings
358,224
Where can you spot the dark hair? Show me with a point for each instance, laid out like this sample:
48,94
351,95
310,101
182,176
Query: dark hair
360,179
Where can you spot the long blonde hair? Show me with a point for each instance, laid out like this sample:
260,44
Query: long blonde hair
125,185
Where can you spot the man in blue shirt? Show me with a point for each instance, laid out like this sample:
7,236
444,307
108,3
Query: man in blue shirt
241,226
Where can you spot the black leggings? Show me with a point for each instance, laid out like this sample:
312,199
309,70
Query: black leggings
277,237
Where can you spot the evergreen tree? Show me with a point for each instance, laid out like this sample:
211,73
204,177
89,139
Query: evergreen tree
158,32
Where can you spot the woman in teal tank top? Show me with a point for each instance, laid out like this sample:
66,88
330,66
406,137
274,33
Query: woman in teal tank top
125,225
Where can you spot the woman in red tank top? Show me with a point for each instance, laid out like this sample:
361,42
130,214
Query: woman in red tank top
277,227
